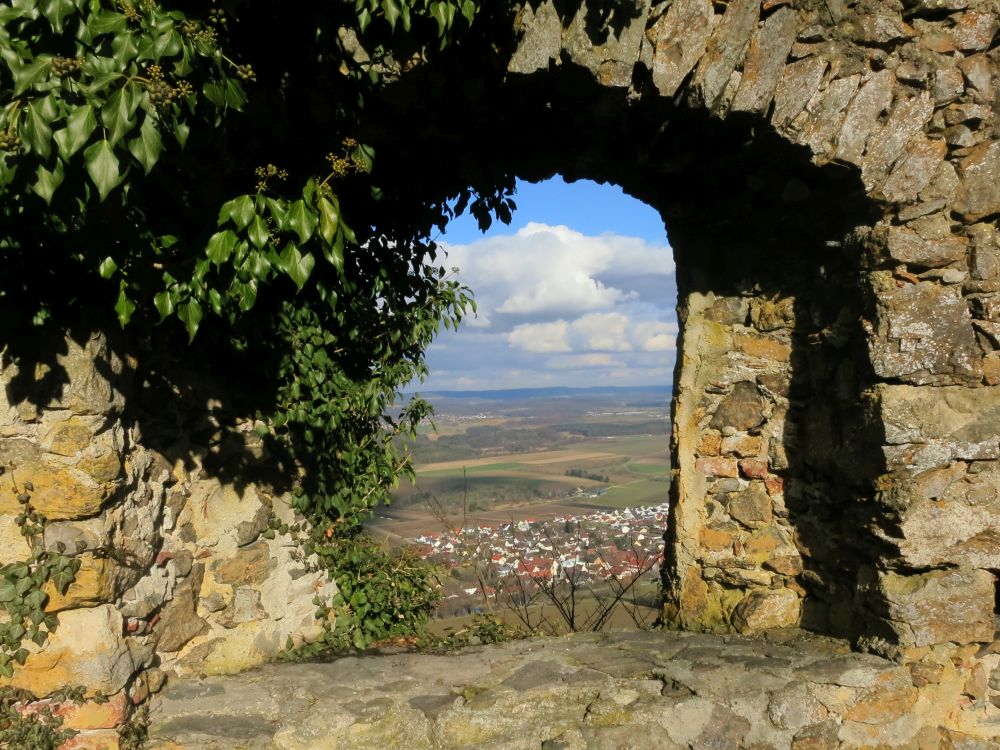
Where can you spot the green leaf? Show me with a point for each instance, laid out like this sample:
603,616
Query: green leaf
182,130
117,114
220,246
335,253
329,219
190,314
257,231
240,210
8,592
147,147
247,294
164,302
124,306
79,125
36,599
27,76
302,220
297,265
439,11
102,166
469,10
359,639
36,131
56,11
46,182
215,300
107,22
392,11
107,268
226,94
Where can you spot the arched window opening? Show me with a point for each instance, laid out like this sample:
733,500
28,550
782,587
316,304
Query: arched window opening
544,486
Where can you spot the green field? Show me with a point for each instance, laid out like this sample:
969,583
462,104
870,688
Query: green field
641,492
654,469
635,468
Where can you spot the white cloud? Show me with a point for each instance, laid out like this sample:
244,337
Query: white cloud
540,337
655,336
595,332
557,307
551,272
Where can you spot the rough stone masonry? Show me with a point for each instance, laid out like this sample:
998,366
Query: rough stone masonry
829,173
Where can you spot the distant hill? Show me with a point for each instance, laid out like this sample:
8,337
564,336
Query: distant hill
525,394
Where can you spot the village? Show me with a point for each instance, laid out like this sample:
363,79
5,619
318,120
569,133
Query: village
588,549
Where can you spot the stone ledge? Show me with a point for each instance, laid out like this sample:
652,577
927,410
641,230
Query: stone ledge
631,689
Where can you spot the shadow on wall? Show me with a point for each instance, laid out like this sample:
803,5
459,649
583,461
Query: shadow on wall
176,405
775,243
751,219
753,223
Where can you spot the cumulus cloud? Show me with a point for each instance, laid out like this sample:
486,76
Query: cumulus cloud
540,337
549,272
595,332
557,307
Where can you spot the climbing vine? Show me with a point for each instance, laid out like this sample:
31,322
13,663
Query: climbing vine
198,173
23,584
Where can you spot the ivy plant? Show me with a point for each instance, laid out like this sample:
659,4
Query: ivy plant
197,175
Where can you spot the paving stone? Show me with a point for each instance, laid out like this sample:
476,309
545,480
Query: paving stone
711,693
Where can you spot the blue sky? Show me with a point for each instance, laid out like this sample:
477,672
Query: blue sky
578,290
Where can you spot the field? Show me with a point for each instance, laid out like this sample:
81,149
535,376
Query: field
610,472
493,460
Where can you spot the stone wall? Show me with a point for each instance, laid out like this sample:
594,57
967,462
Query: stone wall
175,576
828,173
828,176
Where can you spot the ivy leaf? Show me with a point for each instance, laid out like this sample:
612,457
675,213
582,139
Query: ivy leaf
46,182
392,11
215,300
329,218
117,114
56,11
164,302
190,314
36,132
182,130
107,268
359,639
102,166
258,231
220,246
36,599
240,210
124,306
79,125
247,294
28,75
364,18
107,22
147,147
301,220
469,10
8,592
439,11
297,265
334,253
225,95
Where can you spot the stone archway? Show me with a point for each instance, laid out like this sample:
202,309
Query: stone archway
828,175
